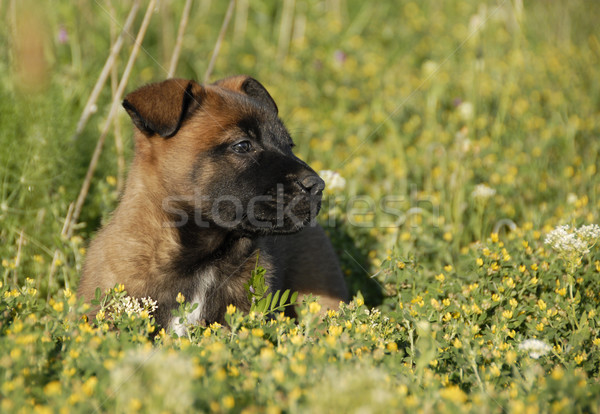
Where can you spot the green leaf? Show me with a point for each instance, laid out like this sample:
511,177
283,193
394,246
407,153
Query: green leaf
275,300
268,302
284,297
262,305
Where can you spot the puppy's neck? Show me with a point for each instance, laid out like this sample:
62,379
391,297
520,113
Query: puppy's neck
180,244
201,246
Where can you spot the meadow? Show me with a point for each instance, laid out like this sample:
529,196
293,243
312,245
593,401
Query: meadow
467,136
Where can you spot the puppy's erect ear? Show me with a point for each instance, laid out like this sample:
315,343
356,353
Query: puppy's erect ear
250,87
160,108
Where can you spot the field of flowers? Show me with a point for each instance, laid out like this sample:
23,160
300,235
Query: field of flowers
461,141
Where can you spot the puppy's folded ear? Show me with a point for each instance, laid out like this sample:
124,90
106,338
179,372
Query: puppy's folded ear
160,108
252,88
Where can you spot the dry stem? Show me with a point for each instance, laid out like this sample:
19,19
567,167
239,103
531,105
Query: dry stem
177,49
213,58
87,111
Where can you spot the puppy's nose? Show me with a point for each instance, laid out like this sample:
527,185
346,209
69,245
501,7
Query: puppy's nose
312,184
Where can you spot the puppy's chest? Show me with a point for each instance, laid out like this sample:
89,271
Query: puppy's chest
211,290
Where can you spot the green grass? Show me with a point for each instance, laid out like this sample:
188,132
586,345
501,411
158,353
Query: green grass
414,103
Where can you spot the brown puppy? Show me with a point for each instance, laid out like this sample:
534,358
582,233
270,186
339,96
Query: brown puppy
213,183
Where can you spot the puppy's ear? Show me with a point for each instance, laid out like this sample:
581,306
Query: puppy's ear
160,108
251,87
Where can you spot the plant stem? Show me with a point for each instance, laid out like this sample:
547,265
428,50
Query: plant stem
110,61
177,49
217,47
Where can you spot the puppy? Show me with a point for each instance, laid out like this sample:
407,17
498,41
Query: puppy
213,185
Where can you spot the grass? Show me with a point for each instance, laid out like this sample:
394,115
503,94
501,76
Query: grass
416,105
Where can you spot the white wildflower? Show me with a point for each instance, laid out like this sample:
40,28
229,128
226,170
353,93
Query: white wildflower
429,68
466,110
483,192
130,306
465,145
589,233
571,198
569,242
535,348
564,241
478,21
333,180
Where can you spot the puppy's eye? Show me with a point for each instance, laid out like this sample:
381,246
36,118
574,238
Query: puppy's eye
242,147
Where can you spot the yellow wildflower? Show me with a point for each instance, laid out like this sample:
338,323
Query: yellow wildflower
228,402
335,330
557,373
580,358
231,309
454,394
53,388
89,385
135,405
314,307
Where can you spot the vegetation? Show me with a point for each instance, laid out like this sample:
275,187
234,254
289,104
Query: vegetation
467,135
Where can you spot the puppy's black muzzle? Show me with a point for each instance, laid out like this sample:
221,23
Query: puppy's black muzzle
312,184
